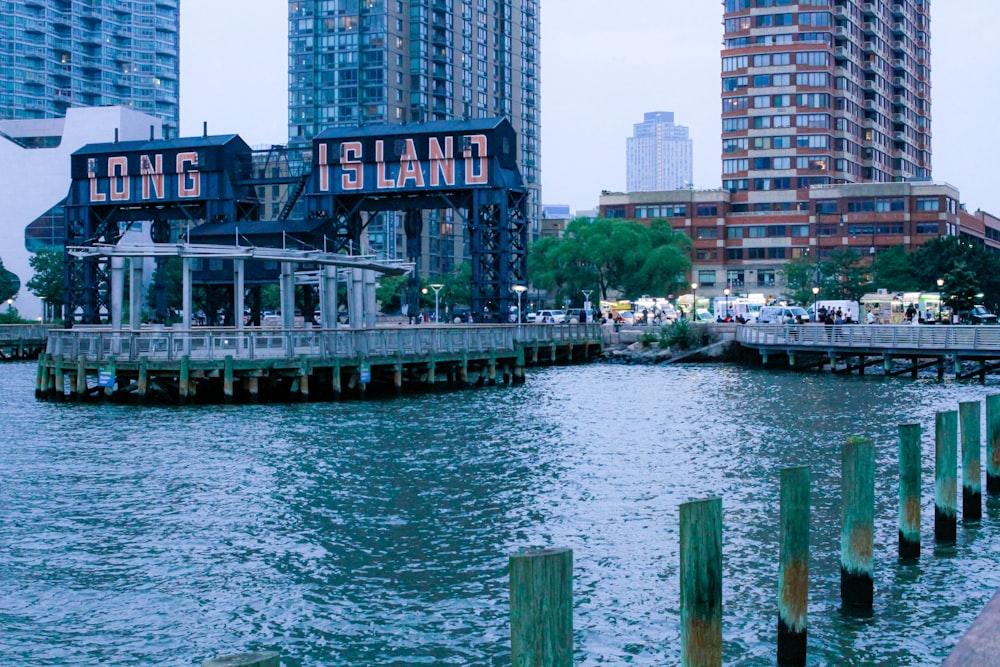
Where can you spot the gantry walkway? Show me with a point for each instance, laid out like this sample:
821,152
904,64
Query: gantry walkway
968,351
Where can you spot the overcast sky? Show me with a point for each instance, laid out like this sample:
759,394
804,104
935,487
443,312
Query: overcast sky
602,69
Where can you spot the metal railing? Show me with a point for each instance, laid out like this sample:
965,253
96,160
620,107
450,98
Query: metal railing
23,332
259,343
934,338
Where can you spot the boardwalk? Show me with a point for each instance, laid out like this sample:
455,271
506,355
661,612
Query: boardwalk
22,341
860,346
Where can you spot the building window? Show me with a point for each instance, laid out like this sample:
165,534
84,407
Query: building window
765,278
706,278
734,278
707,232
928,204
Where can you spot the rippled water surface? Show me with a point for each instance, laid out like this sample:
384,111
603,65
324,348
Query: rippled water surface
378,533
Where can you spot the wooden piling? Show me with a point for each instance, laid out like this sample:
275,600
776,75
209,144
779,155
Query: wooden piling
40,377
81,378
335,380
945,475
184,380
227,382
701,583
257,659
969,414
304,379
253,388
857,536
109,391
60,379
541,608
793,567
519,366
142,384
397,376
993,444
909,491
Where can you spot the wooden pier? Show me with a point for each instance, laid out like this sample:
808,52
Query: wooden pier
960,350
213,365
22,341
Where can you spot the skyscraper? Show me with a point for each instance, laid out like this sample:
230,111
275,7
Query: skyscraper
823,92
57,54
364,62
659,155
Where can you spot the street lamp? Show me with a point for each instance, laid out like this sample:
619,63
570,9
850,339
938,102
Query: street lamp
940,284
816,304
586,301
42,299
725,293
10,305
437,290
694,302
519,289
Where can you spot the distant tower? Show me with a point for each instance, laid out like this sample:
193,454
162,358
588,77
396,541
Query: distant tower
61,54
659,155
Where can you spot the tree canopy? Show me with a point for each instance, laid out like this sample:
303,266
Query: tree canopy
621,256
10,284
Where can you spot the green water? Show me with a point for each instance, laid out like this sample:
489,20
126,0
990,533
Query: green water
378,533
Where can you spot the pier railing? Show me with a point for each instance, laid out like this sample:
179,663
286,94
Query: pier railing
265,343
937,338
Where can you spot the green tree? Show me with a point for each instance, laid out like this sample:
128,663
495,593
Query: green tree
390,291
800,278
844,275
960,288
612,256
10,284
939,257
48,281
895,270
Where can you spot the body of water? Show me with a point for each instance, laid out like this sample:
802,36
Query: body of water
377,533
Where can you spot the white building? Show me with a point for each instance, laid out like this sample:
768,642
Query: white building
35,175
660,155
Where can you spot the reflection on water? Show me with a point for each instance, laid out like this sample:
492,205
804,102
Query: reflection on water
378,533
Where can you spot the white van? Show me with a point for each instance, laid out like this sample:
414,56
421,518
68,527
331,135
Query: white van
781,315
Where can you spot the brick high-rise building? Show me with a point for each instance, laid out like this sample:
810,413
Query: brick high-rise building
57,54
820,92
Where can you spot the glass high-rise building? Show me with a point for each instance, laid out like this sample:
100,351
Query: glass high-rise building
823,92
659,155
57,54
365,62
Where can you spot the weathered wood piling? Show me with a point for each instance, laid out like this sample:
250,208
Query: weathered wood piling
701,583
857,537
909,491
969,413
793,568
945,476
541,608
993,444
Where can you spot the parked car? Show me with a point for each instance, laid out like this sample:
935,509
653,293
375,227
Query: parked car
781,315
546,316
979,315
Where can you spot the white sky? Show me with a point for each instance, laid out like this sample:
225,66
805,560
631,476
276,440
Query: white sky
603,66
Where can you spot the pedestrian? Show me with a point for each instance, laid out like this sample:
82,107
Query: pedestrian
871,316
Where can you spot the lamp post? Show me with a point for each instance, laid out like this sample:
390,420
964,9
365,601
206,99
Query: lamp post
519,289
42,299
694,302
940,284
586,301
725,293
816,303
10,306
437,290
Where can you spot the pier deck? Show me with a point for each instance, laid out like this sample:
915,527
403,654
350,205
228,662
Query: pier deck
263,364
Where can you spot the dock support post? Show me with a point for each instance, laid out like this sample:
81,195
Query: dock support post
253,388
940,368
887,364
227,386
257,659
701,583
909,491
397,375
81,378
534,356
945,475
914,367
958,366
143,382
552,353
463,369
60,393
791,359
304,379
861,364
492,372
857,526
993,444
184,380
335,379
541,608
969,414
431,373
40,376
793,567
519,366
